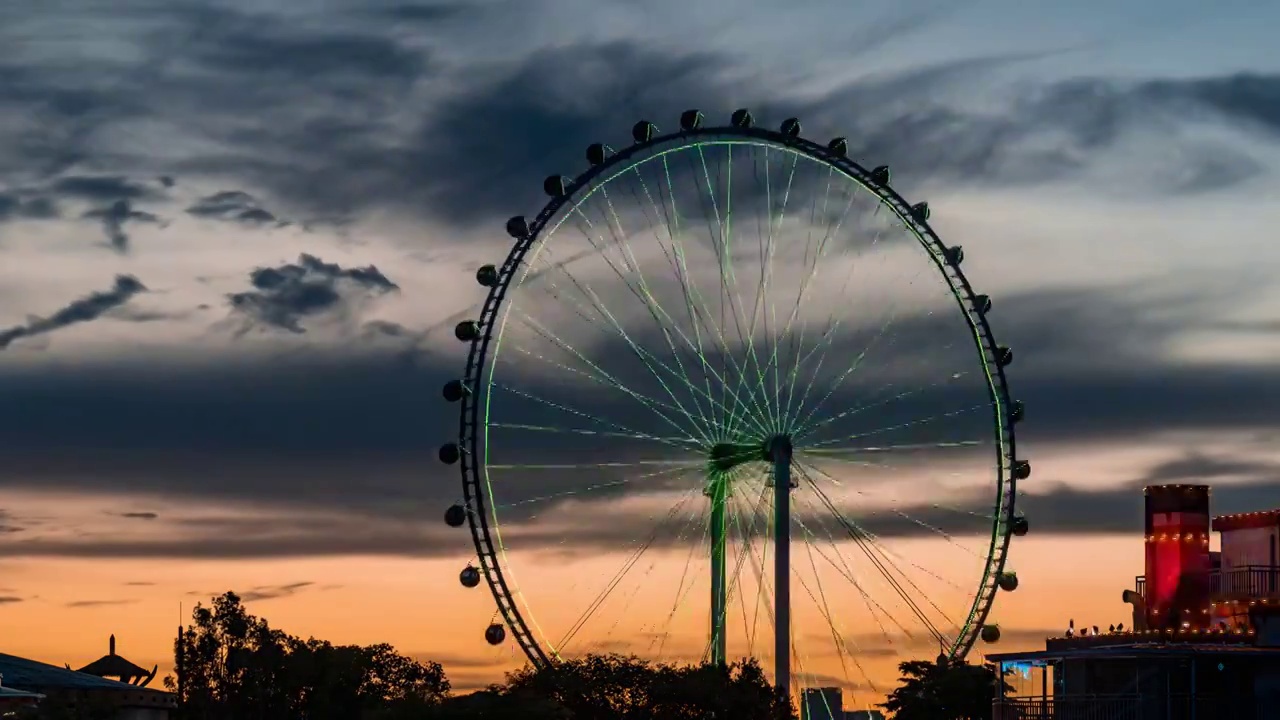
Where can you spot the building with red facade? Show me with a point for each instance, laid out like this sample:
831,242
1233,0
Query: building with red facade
1203,641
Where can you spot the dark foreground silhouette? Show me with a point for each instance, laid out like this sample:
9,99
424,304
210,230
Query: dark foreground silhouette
235,666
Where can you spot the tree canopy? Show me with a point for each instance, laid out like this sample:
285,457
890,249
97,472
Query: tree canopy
235,665
944,690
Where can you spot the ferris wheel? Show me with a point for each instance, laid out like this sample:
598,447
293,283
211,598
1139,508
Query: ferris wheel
730,395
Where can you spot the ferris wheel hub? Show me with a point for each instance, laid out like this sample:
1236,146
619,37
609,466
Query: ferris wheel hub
725,456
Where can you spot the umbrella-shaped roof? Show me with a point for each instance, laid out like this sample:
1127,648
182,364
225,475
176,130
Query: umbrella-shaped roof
112,665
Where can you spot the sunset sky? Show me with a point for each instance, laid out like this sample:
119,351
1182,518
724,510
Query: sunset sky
172,430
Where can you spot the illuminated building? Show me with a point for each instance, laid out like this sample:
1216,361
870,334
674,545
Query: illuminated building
1203,638
825,703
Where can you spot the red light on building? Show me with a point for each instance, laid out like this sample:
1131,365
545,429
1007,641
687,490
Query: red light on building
1177,556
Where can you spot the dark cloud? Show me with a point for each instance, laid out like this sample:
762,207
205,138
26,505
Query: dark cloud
86,309
271,592
335,140
232,206
429,13
357,437
398,529
139,583
1197,467
102,188
537,117
9,599
139,515
284,296
114,217
16,206
98,603
271,47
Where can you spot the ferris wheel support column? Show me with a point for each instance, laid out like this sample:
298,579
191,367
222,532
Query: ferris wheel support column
780,455
718,490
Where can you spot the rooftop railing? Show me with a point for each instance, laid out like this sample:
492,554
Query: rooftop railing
1241,581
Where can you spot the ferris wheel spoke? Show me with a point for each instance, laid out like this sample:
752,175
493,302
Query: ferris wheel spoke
695,346
817,446
812,426
827,341
803,423
848,573
869,449
692,520
864,544
843,569
733,579
745,340
593,378
652,362
746,557
773,228
764,592
720,248
680,464
676,259
643,356
701,311
670,440
682,589
596,486
786,412
759,305
889,556
819,599
643,293
919,523
588,416
617,578
619,385
836,634
646,299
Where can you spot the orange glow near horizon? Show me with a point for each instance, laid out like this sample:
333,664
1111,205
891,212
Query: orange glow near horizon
72,606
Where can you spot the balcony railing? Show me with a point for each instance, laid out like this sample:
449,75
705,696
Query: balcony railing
1130,707
1241,581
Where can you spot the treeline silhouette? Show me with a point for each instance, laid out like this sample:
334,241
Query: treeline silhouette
231,665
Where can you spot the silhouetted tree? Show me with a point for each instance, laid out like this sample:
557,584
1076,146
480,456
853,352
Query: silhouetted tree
235,665
944,690
628,688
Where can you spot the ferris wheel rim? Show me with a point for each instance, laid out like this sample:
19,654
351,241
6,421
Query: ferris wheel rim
479,517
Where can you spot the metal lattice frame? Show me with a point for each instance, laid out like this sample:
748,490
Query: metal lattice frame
915,218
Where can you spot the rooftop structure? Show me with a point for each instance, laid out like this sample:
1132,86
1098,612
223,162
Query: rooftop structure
113,666
1204,638
73,688
12,699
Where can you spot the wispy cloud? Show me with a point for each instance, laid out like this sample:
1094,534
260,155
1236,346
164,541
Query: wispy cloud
98,603
86,309
114,217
